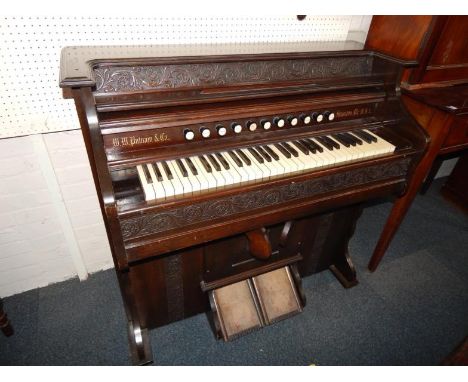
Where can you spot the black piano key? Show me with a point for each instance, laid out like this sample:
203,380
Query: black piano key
256,155
344,142
263,153
283,151
364,135
354,138
235,158
334,143
167,170
223,161
325,142
244,157
301,147
351,141
157,171
182,168
147,173
312,147
271,152
205,163
364,138
191,166
288,147
214,162
314,144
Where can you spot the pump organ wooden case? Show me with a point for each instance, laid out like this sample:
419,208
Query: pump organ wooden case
227,173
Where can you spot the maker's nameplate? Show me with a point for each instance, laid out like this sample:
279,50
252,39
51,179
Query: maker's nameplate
358,111
140,140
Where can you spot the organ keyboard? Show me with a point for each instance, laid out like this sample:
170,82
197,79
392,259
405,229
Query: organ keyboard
211,171
226,173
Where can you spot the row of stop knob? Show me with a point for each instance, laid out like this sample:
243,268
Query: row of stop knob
266,124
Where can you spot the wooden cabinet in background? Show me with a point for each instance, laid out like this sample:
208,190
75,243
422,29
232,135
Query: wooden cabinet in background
435,92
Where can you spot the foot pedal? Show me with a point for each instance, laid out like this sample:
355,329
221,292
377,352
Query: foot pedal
250,304
277,295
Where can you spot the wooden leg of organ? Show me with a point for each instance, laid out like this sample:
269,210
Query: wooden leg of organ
140,347
341,265
138,339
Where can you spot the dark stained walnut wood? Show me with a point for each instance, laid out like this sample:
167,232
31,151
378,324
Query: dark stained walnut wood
134,104
127,79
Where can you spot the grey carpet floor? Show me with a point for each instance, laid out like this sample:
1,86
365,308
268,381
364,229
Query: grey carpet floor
412,311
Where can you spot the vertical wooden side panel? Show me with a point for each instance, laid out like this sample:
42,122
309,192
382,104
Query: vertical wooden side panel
402,37
167,289
149,290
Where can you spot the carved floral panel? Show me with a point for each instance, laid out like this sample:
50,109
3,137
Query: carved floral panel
135,78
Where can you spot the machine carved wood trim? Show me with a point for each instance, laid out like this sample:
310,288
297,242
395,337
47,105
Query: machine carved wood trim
135,78
157,222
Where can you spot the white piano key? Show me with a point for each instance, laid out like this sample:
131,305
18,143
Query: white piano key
269,162
261,163
275,163
299,164
343,153
236,177
176,182
307,159
327,157
249,169
192,178
167,184
208,176
183,179
159,191
147,187
260,174
369,149
203,183
289,165
244,176
386,147
228,177
362,148
220,181
355,154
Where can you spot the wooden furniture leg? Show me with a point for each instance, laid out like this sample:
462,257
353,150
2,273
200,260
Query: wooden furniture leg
437,125
431,175
140,347
5,325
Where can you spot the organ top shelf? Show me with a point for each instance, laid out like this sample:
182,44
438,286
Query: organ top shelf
78,62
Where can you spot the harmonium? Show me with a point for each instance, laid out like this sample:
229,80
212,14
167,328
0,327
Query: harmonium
227,173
